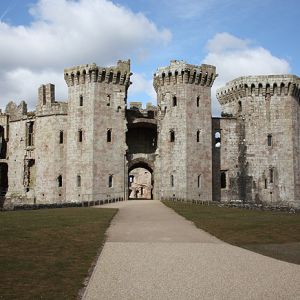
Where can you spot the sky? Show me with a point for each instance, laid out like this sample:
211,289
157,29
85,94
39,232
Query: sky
39,38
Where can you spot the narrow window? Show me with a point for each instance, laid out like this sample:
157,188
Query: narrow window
172,180
266,183
110,181
78,181
172,136
81,100
108,135
174,101
198,101
30,134
199,181
198,136
61,137
240,106
108,100
142,191
217,139
59,181
80,135
223,180
271,175
270,140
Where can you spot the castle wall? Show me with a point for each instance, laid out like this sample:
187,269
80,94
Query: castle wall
267,127
183,166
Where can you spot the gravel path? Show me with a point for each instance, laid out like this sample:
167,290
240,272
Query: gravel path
153,253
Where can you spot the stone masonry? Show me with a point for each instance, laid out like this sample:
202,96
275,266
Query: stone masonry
85,148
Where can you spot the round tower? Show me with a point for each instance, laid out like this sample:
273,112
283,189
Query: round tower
183,165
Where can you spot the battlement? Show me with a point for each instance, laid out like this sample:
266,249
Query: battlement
280,85
179,72
119,74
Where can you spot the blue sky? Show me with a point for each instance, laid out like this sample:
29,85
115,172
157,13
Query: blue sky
40,38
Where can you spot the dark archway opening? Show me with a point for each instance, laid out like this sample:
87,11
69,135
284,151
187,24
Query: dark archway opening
3,182
3,144
141,139
140,181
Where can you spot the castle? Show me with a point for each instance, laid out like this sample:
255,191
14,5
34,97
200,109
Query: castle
93,147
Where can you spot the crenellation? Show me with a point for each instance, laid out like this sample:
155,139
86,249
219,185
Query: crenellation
259,85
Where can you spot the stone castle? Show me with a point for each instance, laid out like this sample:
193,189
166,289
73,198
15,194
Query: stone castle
93,147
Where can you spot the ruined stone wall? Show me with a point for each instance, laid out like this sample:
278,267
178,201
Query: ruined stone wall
36,157
97,99
266,108
50,147
183,166
16,153
225,158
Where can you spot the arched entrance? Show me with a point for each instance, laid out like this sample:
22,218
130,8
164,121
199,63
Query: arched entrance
140,180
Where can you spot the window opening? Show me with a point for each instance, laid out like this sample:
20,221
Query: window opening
199,181
81,100
78,181
198,101
198,136
80,135
30,134
174,101
270,140
110,181
61,137
172,136
223,180
172,180
59,181
271,175
108,135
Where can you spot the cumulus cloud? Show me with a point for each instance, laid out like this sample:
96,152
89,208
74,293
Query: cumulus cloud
68,32
236,57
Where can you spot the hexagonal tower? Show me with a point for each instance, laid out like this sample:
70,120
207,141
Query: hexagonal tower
96,143
183,164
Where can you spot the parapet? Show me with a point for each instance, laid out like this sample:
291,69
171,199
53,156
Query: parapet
180,72
281,85
119,74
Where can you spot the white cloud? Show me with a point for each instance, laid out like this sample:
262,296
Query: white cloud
141,84
66,33
24,83
236,57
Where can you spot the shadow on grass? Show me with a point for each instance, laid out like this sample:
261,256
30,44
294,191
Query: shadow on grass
274,234
47,254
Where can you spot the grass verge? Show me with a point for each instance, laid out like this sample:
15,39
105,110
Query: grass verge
47,254
275,234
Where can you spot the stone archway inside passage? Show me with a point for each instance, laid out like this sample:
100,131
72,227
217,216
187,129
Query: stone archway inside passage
140,182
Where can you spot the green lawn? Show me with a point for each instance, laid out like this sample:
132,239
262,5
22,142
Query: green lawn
274,234
47,254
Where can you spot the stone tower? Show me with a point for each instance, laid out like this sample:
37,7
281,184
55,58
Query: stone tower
261,113
96,145
183,163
